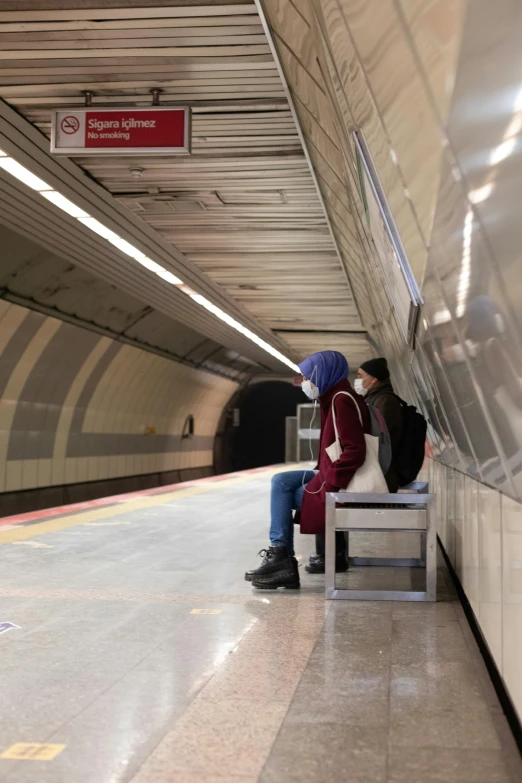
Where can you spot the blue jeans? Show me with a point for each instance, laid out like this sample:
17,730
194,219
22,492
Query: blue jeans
286,496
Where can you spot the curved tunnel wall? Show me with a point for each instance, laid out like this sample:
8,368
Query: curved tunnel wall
77,407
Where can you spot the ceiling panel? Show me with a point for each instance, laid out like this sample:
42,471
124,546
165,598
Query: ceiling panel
354,346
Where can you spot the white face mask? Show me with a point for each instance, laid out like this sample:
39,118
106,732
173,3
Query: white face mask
311,391
359,388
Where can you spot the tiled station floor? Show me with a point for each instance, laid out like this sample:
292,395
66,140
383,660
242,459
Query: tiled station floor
140,654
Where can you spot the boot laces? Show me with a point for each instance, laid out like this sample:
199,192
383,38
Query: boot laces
265,553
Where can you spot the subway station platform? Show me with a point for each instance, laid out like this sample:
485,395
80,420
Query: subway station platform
140,654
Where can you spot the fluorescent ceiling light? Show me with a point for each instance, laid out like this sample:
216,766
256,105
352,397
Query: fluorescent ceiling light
24,175
481,194
514,127
169,277
517,106
109,235
441,317
63,203
55,197
148,263
113,238
500,153
129,249
188,290
465,269
126,247
243,330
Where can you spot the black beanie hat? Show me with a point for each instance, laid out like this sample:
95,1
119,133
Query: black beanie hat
377,368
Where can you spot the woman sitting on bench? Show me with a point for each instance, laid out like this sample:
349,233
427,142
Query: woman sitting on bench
324,375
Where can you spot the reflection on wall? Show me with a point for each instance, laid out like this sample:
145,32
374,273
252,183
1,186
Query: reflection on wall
436,89
76,406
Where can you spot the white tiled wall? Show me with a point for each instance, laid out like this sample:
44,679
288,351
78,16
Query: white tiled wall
512,598
487,557
490,567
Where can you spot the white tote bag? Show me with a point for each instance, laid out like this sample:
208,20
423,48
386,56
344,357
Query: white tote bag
369,477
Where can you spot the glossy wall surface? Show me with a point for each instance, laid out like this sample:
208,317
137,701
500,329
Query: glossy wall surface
436,89
76,406
481,530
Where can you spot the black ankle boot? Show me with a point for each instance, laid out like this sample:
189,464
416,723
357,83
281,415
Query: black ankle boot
317,565
286,575
272,559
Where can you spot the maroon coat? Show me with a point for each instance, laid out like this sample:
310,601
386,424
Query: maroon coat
336,475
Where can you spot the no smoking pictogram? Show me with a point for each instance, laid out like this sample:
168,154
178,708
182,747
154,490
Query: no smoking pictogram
70,124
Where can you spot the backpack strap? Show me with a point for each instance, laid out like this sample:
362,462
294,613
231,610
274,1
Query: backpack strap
380,419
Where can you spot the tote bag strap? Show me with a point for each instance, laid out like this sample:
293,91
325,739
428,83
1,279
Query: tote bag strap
333,412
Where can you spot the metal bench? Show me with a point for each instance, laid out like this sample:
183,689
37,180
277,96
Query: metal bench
418,488
351,512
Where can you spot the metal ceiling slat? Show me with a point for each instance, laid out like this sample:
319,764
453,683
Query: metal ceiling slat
131,31
200,93
16,90
50,55
173,41
131,11
88,26
259,63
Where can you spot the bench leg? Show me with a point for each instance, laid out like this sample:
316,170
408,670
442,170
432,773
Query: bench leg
423,549
431,554
329,554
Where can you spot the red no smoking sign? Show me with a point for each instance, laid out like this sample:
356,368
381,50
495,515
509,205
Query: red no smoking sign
152,130
70,124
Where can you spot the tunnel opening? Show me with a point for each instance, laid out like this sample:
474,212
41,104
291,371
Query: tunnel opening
251,433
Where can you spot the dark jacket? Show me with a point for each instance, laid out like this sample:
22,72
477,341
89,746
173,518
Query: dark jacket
335,475
385,399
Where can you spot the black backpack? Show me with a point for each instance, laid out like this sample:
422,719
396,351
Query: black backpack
409,456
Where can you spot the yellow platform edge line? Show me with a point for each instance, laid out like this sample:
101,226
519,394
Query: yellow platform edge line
24,532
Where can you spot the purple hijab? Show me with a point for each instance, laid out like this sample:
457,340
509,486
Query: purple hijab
325,369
